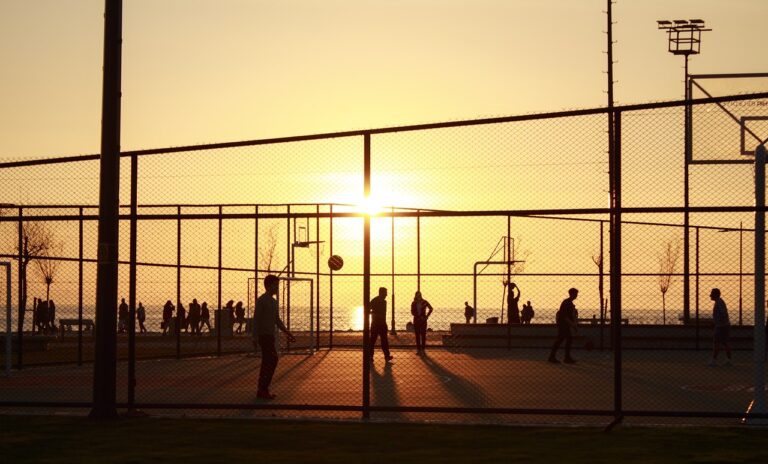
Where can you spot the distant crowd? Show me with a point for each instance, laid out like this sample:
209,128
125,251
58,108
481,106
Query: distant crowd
190,321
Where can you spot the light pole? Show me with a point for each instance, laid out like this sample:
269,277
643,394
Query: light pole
741,265
684,37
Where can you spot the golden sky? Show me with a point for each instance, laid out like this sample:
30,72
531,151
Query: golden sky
199,71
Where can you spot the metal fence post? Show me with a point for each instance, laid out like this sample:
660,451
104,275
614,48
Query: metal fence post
615,252
317,275
8,319
758,405
132,285
218,312
366,278
392,257
22,296
330,279
697,289
80,291
178,282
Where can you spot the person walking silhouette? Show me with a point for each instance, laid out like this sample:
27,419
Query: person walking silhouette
566,327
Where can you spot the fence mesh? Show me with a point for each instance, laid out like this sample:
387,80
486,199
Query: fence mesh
456,215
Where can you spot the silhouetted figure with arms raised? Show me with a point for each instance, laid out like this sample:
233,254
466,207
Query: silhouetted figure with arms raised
469,312
566,327
377,308
513,309
265,319
722,328
419,308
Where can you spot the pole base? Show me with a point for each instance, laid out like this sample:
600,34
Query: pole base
755,421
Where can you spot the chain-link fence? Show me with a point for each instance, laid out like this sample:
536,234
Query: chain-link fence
458,212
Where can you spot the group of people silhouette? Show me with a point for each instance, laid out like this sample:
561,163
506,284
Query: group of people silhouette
191,322
44,315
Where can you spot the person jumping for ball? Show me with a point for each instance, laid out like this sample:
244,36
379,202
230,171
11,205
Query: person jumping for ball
265,319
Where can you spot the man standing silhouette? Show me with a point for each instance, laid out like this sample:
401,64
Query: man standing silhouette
566,327
377,308
722,328
265,318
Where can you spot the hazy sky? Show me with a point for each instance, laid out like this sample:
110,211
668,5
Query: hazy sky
199,71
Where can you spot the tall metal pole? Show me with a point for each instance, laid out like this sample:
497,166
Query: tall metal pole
366,277
179,322
686,201
22,291
80,291
615,253
741,268
418,250
132,285
289,268
255,258
8,319
330,279
601,285
697,287
218,286
317,276
758,406
392,256
105,361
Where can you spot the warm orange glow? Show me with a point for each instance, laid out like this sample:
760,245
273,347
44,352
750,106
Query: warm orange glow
371,206
357,318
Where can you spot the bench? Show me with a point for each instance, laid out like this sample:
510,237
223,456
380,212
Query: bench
68,325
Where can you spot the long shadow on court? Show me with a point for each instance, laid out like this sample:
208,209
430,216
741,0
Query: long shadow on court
465,392
385,391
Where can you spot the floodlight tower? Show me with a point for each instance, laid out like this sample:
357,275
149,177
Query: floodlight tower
684,36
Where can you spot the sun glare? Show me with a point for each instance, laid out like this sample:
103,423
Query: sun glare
371,206
357,318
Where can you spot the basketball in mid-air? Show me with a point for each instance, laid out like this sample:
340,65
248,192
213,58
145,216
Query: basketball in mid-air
335,262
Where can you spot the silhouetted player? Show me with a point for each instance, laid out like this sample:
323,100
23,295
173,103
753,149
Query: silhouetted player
527,313
377,308
722,328
420,314
513,309
265,319
566,327
141,316
469,312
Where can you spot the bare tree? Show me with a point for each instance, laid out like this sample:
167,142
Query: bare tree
267,255
47,265
598,260
37,240
668,259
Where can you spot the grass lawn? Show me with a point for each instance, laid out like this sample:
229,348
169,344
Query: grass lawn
43,439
